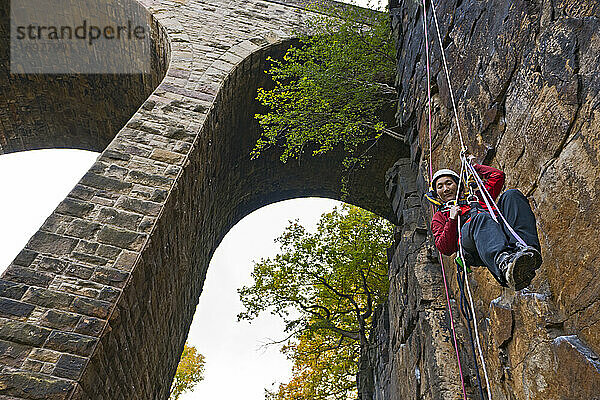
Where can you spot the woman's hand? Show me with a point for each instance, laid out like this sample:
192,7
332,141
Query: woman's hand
471,159
454,211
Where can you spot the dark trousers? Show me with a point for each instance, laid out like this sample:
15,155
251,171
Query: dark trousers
483,239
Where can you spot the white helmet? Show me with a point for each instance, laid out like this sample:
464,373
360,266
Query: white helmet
444,172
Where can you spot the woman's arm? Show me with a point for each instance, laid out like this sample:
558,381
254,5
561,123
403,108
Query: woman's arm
445,232
492,177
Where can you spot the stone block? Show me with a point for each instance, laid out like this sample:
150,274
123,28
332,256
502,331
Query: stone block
104,183
28,276
121,238
109,252
12,290
147,179
85,246
90,326
103,201
83,229
73,343
13,354
115,171
32,365
59,320
22,333
119,218
50,243
50,264
74,208
47,368
126,261
48,298
158,195
166,156
91,307
110,276
12,308
82,193
138,206
147,224
69,366
82,288
116,155
45,355
78,271
130,148
33,386
25,258
56,223
182,147
89,258
109,294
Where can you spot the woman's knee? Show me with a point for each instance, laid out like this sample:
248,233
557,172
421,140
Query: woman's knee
481,217
511,194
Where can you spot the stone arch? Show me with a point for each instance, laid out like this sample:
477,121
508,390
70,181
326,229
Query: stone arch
99,302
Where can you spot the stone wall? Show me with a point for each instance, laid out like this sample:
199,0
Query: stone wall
99,302
525,75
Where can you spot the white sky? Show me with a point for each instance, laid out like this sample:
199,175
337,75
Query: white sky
237,364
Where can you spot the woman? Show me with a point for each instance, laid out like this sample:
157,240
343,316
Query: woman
484,240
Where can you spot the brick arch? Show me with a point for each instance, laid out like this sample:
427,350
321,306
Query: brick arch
99,302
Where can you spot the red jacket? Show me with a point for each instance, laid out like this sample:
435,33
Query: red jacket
445,230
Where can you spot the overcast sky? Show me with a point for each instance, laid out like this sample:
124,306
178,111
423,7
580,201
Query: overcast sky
238,366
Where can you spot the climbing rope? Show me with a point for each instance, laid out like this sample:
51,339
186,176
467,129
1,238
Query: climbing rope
461,276
464,168
465,283
437,28
462,380
467,170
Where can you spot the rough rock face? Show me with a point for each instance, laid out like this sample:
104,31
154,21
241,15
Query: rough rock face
98,304
525,75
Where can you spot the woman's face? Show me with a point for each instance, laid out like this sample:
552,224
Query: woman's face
446,188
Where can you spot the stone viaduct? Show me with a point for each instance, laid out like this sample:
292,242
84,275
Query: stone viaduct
99,302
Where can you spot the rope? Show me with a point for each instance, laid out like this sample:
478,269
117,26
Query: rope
475,323
437,28
462,380
428,88
468,316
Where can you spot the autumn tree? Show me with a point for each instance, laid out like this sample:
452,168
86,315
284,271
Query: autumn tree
332,89
325,286
190,371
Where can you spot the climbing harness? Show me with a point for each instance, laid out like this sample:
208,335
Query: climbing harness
494,207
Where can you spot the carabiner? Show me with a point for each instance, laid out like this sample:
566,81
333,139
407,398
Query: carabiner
472,199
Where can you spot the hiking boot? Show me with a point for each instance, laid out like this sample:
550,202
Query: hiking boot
518,268
537,257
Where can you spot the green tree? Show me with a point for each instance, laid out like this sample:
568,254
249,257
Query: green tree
190,371
325,286
332,89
